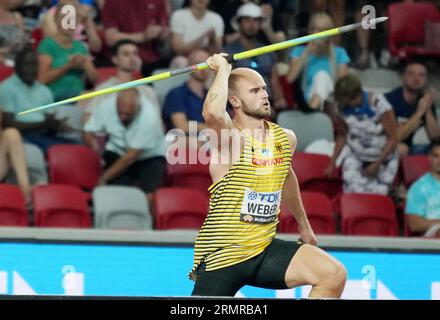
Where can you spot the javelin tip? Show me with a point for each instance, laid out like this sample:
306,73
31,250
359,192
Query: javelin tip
379,20
354,26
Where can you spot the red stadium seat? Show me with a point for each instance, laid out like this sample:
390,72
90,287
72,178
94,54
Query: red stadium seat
61,206
368,215
37,35
413,167
74,165
309,169
190,176
319,212
13,210
5,72
407,28
104,73
178,208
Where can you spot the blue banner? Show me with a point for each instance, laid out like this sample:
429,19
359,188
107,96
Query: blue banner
141,270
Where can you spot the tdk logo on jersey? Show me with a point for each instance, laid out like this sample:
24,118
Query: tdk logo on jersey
260,207
265,197
253,196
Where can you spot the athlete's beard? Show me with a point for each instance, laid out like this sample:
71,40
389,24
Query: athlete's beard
255,112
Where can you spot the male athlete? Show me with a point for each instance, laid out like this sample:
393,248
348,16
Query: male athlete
236,245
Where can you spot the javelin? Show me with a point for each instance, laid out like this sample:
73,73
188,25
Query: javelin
203,65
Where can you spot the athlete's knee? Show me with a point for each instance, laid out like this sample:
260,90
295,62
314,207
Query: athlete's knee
336,276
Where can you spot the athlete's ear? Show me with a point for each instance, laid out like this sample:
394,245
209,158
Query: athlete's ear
234,101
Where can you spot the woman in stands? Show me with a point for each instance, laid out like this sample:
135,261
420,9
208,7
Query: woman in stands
63,62
87,30
318,64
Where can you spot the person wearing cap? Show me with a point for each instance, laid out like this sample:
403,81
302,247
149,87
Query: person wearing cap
248,22
271,28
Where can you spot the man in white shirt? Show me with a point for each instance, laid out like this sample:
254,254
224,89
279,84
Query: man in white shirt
126,58
196,27
134,152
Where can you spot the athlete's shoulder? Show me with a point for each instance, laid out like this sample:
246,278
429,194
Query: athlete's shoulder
289,133
291,137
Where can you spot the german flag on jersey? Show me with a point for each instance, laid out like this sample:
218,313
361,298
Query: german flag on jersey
244,204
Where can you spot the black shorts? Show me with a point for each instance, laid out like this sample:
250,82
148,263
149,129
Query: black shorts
267,270
148,174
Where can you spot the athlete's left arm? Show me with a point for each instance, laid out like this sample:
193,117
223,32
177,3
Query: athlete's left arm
291,197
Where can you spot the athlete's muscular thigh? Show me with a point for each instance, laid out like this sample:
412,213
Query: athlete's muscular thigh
309,266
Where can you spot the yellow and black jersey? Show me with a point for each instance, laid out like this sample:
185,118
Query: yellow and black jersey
245,203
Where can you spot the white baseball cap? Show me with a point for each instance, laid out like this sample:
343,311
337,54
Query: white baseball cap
246,10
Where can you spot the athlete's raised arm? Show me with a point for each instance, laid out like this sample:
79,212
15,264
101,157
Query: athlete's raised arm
214,108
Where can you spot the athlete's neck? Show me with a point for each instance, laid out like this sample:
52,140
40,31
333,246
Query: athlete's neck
256,128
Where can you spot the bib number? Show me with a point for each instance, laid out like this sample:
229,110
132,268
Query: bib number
260,207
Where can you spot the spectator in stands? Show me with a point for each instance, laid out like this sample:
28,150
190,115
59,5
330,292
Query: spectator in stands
22,91
336,9
371,159
143,21
12,156
125,56
185,103
248,22
134,151
318,64
423,199
86,29
413,104
64,61
12,29
272,26
196,27
32,11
